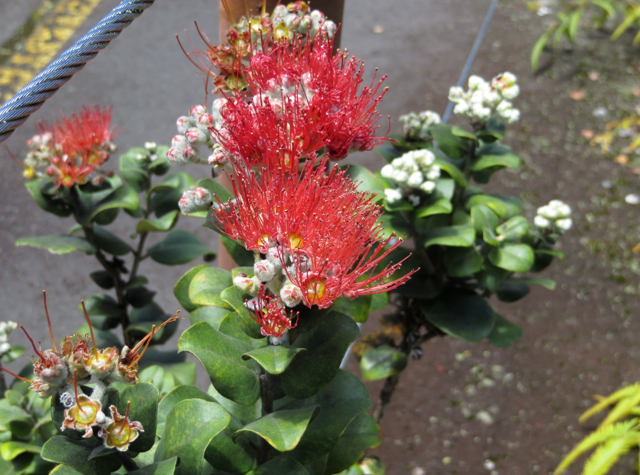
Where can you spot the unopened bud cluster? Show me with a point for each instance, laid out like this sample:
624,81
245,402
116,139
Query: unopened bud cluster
485,100
554,217
195,199
416,125
193,133
412,173
5,330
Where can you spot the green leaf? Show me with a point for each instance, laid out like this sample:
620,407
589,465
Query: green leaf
235,298
326,345
207,285
63,470
513,228
453,171
102,278
439,206
76,453
227,455
132,168
459,313
144,409
491,276
608,454
139,297
164,223
274,359
510,291
179,247
93,203
504,332
210,314
357,308
238,253
454,146
494,155
10,450
341,401
546,283
393,224
629,18
483,217
221,356
538,47
104,311
62,244
494,130
281,465
189,428
382,362
178,394
379,301
512,257
166,467
367,182
181,289
361,434
281,429
573,25
458,132
462,261
49,203
456,236
109,242
388,152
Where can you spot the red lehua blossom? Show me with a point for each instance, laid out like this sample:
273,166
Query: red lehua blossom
321,222
270,315
303,88
82,142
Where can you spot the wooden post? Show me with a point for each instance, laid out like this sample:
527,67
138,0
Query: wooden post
333,10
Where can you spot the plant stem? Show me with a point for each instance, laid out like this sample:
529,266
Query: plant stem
127,461
267,383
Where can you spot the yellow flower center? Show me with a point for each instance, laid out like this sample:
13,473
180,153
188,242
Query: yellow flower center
295,241
119,433
315,290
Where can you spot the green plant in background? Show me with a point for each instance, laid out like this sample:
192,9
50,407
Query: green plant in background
576,14
616,435
66,177
468,243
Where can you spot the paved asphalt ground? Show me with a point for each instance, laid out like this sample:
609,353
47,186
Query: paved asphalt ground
149,82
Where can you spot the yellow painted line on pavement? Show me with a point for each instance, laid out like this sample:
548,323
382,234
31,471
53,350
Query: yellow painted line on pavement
43,45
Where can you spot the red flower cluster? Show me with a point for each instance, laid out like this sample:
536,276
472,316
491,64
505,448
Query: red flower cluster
306,100
80,144
324,230
269,313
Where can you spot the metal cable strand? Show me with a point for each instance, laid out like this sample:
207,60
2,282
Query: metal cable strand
31,97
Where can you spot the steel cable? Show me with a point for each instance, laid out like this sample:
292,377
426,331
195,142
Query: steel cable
31,97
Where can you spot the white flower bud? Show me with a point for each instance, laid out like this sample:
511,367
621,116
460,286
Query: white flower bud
541,222
329,28
387,171
393,195
197,199
179,141
428,186
197,110
461,108
244,283
433,173
564,224
183,123
290,294
400,176
475,82
176,156
414,200
415,180
265,270
456,94
195,135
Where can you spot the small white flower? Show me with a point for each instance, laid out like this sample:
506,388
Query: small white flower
265,270
387,171
541,222
475,82
393,195
564,224
290,294
415,179
433,173
428,186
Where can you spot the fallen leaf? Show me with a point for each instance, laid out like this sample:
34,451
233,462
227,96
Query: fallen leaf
621,159
378,29
587,134
576,95
594,75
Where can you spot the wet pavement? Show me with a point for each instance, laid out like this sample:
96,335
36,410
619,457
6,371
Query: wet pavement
464,408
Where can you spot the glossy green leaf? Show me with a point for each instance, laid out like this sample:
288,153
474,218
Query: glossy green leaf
103,311
273,359
379,301
181,289
459,313
178,394
75,453
179,247
132,168
93,203
439,206
456,236
549,284
504,332
221,356
341,401
47,202
504,206
357,308
163,223
462,261
10,450
458,132
109,242
238,253
206,286
144,408
388,152
62,470
58,244
493,130
454,146
229,455
393,224
139,296
510,291
361,434
452,170
281,465
189,428
487,159
326,345
382,362
235,298
491,276
282,429
513,228
366,181
512,257
166,467
102,278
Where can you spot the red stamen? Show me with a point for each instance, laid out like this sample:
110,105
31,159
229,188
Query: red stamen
33,344
153,331
93,338
46,311
15,375
13,157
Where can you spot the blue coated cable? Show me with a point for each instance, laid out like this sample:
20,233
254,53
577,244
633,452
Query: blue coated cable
472,56
31,97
